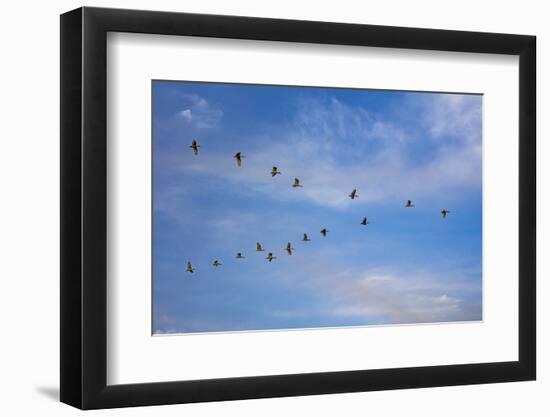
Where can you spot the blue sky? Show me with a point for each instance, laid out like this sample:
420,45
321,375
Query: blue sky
407,266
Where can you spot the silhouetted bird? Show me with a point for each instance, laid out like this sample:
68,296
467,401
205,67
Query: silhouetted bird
195,146
353,194
444,213
274,171
239,256
324,232
409,204
270,257
364,222
289,248
216,263
190,268
306,238
238,157
296,183
259,247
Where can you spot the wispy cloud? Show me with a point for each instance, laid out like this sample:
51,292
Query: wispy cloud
454,116
199,113
405,298
338,125
388,296
319,145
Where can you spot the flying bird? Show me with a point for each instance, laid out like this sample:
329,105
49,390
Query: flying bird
289,248
306,238
239,256
444,213
270,257
216,263
195,146
190,268
324,232
259,247
364,222
296,183
275,171
409,204
238,157
353,194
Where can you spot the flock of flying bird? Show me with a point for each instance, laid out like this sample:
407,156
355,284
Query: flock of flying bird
274,171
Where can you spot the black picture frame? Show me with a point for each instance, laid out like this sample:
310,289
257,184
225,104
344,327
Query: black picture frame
84,207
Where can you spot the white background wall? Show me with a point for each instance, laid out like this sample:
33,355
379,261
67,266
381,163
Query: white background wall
29,232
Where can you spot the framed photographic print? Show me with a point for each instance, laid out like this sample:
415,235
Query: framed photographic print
258,208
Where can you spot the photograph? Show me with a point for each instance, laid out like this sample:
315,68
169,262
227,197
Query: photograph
280,207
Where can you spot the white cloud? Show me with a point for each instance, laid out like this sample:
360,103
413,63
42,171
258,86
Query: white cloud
381,295
186,114
200,113
333,122
323,144
454,116
397,299
404,296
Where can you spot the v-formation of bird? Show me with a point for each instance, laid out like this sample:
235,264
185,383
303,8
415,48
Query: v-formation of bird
296,184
